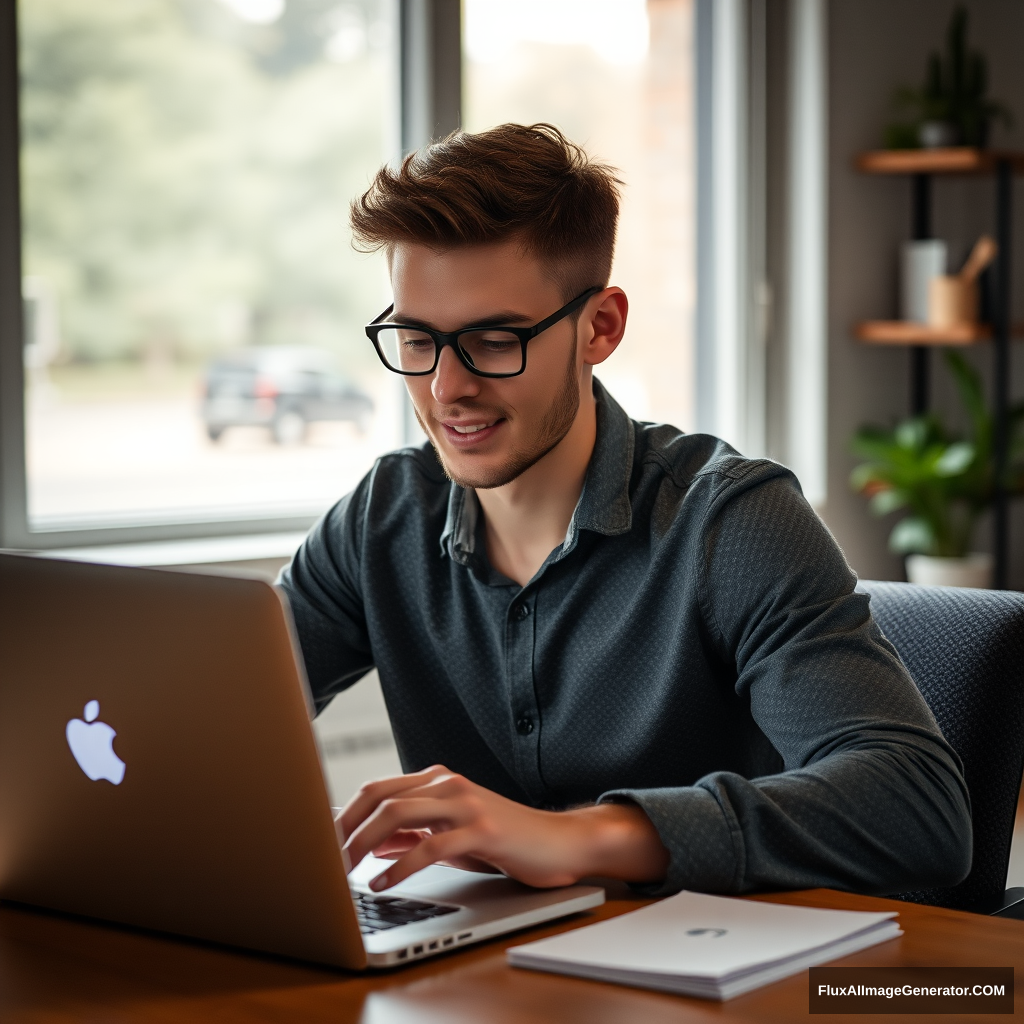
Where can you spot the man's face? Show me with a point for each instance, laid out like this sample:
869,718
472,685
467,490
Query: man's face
488,431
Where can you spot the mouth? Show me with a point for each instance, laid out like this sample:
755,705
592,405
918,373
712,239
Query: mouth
470,435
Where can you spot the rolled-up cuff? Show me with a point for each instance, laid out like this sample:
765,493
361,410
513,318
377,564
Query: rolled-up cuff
705,854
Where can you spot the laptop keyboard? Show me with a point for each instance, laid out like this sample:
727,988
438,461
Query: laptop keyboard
378,913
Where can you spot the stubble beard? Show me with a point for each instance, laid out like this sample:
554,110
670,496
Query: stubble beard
557,422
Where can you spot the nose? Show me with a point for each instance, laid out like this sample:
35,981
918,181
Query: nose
452,382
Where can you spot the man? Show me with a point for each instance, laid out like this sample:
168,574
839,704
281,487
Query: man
606,647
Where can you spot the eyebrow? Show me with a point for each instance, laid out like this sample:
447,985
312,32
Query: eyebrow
507,318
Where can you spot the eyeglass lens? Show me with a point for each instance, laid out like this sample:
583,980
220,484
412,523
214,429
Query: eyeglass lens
490,351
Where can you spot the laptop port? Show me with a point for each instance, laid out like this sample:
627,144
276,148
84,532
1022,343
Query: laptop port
433,945
402,954
447,942
417,949
465,935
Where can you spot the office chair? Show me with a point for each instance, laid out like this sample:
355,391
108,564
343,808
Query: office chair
965,651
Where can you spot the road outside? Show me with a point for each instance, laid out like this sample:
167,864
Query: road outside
119,447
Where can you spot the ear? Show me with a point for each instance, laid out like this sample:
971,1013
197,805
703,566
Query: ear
602,324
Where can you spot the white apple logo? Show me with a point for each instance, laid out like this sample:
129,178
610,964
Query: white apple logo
92,746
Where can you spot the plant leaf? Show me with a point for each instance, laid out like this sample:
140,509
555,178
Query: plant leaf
968,383
911,434
888,501
912,535
865,475
955,459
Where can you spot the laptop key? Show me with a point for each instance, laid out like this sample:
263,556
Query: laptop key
378,913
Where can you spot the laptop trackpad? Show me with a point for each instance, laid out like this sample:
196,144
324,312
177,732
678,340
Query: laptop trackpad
483,894
437,882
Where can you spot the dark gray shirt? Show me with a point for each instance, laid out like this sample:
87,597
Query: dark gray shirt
695,646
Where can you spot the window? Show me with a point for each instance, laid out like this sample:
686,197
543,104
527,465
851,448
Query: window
193,309
617,77
194,362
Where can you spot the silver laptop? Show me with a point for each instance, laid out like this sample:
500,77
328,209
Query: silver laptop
158,769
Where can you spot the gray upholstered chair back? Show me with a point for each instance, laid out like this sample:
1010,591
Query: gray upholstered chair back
965,651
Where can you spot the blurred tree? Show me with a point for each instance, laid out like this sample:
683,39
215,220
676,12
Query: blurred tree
186,175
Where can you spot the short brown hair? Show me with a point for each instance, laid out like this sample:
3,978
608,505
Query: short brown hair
513,181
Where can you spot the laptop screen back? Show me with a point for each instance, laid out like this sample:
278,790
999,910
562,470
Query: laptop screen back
157,766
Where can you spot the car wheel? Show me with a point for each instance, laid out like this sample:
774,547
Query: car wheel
214,433
288,428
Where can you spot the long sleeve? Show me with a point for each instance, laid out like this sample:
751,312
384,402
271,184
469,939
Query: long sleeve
870,798
323,591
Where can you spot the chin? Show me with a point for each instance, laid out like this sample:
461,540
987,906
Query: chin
484,473
481,471
483,476
484,470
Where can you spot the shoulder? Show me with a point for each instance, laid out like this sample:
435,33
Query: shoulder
404,493
408,470
406,477
415,466
705,467
757,541
402,486
702,491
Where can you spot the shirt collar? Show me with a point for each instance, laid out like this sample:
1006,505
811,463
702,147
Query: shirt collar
458,539
604,505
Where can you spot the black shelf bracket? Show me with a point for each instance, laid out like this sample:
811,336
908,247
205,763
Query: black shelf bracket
1001,316
920,355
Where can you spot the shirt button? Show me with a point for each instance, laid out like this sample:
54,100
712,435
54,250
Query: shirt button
521,612
524,726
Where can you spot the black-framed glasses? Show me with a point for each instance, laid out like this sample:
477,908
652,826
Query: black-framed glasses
486,351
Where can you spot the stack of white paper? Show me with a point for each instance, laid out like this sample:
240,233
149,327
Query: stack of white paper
707,946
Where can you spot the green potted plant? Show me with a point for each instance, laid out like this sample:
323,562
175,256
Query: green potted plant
952,108
942,481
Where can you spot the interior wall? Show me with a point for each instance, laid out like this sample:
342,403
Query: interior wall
874,47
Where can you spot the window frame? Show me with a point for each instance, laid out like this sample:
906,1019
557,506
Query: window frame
428,103
732,272
762,231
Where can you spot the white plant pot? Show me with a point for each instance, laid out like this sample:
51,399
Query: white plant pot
974,570
937,135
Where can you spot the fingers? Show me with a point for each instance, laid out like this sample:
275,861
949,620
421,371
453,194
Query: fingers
446,846
437,815
370,795
401,813
401,842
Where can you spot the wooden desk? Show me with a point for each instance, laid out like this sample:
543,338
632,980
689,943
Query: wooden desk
54,968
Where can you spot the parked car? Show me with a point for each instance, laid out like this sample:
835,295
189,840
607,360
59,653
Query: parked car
281,388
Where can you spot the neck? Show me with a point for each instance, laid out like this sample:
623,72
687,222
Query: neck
528,518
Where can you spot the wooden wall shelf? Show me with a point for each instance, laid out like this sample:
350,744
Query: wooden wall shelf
954,160
906,332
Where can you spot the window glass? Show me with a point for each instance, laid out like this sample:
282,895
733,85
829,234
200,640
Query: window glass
617,77
194,310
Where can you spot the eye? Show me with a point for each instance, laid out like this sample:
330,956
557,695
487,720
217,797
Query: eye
493,341
414,341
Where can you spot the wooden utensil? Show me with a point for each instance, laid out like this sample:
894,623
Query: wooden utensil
953,299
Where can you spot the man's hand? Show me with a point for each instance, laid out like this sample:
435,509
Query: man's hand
437,816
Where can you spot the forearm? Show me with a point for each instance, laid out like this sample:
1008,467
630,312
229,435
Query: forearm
873,821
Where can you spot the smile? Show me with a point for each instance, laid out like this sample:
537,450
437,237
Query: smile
470,436
470,429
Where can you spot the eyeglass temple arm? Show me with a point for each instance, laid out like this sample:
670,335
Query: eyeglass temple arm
564,311
387,312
